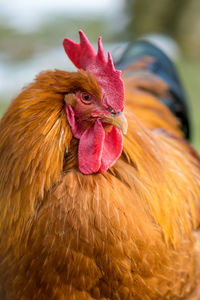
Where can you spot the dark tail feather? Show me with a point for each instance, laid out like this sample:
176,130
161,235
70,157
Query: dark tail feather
164,68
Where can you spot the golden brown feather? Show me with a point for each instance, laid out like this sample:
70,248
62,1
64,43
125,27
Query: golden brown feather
129,233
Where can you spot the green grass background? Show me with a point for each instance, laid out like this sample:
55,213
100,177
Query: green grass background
189,71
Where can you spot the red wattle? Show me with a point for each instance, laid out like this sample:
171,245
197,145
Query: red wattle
98,150
91,148
112,148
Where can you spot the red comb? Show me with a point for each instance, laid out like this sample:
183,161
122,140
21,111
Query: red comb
85,57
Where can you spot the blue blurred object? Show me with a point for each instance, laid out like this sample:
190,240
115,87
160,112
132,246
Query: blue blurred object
163,67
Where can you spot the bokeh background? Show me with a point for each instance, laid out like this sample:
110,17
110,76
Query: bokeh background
31,34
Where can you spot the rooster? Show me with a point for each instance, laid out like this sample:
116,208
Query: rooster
89,209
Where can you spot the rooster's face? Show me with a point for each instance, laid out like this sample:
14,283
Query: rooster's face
95,110
84,109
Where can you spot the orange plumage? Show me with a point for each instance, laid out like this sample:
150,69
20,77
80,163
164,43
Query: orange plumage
128,233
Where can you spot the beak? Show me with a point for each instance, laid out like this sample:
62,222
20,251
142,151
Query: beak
118,120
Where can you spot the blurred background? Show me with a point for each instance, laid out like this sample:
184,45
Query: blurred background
32,31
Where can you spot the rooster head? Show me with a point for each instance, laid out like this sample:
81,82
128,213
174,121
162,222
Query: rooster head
96,115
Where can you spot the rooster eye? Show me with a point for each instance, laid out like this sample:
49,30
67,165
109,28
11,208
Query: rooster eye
86,98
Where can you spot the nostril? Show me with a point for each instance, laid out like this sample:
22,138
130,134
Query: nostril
111,111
